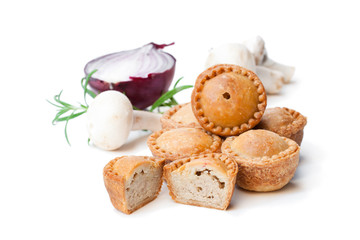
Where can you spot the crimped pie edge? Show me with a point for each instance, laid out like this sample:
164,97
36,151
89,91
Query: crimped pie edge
217,70
298,123
231,165
291,151
109,167
162,153
167,122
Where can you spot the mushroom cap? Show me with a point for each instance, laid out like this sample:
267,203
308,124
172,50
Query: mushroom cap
231,53
256,46
110,118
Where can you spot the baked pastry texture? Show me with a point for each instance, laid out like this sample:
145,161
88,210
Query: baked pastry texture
176,143
267,161
228,99
133,181
179,116
206,180
285,122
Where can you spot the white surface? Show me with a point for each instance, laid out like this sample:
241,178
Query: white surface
52,191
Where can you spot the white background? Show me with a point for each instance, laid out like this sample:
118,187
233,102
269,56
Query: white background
52,191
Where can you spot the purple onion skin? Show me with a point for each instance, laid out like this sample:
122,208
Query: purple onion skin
142,92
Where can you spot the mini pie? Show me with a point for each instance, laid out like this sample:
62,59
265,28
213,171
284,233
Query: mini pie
179,116
203,180
267,161
285,122
228,99
176,143
133,181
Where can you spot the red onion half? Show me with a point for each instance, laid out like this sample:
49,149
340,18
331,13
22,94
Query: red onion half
143,74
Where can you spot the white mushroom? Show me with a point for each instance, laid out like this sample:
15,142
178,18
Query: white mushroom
257,47
111,118
271,79
288,71
233,53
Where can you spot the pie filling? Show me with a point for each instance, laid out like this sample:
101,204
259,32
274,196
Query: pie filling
201,186
143,186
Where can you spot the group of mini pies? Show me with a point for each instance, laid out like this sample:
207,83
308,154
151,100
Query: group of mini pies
222,138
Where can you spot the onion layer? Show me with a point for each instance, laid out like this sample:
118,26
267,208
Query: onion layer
142,74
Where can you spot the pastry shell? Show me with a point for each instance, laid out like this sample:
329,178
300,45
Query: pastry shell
182,142
228,99
120,170
223,165
284,121
264,173
171,118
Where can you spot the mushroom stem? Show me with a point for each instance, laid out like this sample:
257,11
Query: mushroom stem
271,79
257,48
146,120
288,71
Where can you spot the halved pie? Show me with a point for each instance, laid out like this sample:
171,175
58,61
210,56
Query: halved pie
228,99
133,181
206,180
267,161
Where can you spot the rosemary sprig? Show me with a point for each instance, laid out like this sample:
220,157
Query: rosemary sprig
167,99
67,111
85,83
177,82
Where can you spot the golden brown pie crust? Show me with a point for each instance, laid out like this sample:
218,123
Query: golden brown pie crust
266,173
170,118
284,121
116,173
227,163
182,142
228,99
